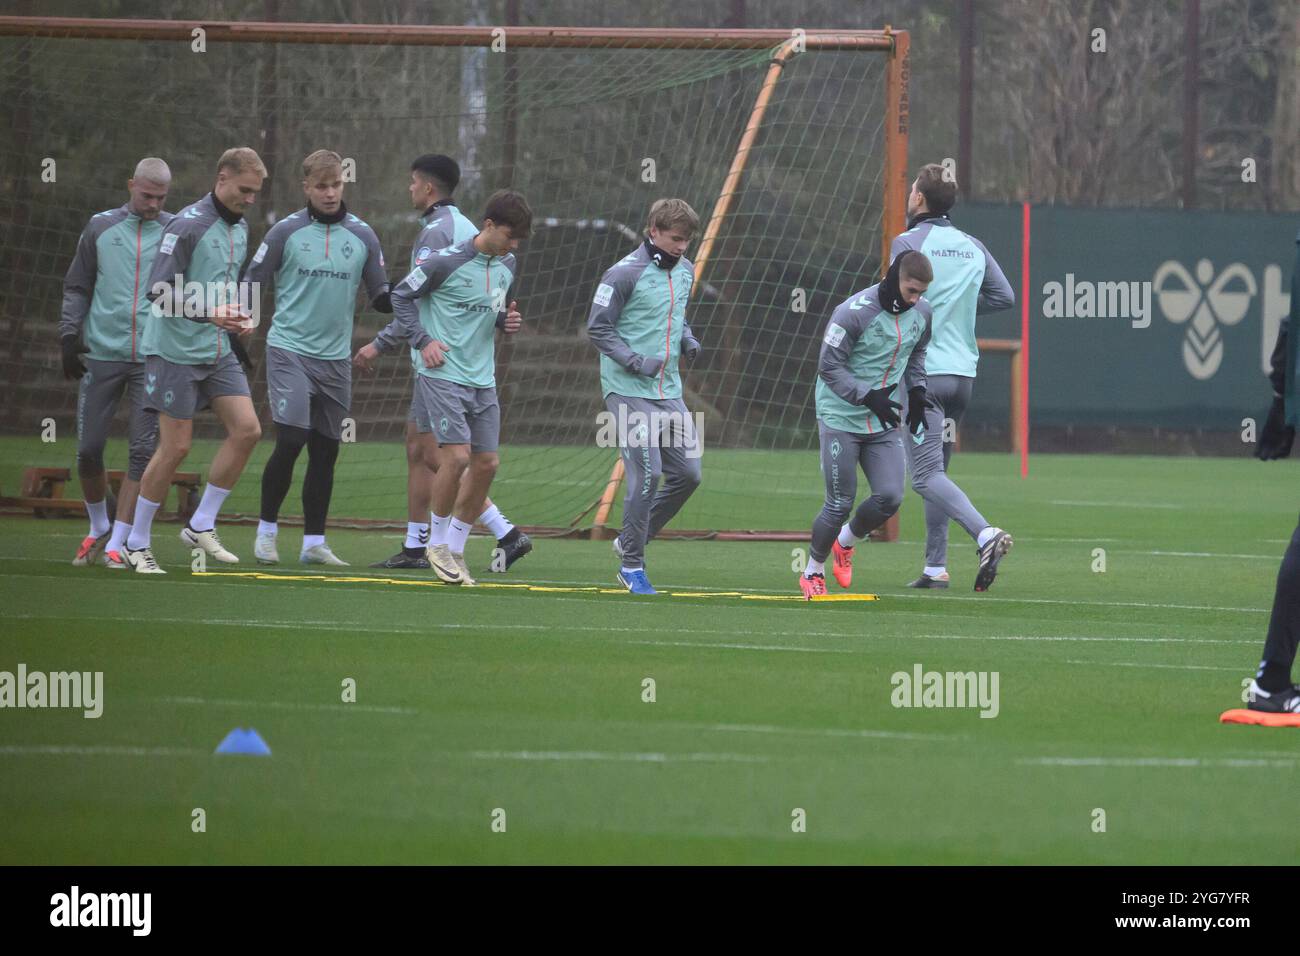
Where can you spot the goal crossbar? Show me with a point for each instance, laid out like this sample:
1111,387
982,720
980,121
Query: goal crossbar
440,35
894,44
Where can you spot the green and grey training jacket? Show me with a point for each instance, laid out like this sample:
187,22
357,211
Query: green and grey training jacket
205,244
865,348
318,261
638,322
104,290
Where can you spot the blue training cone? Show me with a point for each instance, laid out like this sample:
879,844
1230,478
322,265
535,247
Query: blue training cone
241,741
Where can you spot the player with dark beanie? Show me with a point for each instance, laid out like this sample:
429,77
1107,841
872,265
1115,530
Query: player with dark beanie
1272,690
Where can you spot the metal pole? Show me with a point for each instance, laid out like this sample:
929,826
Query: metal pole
1191,71
965,95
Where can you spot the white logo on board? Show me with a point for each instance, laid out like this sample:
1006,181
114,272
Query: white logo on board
1203,302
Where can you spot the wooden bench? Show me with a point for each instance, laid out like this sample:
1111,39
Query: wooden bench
42,491
186,484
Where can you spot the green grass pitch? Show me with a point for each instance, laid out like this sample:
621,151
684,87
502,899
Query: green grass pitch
530,701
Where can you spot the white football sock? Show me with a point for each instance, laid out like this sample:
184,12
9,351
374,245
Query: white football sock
457,535
814,567
205,516
438,529
271,528
417,535
847,538
120,530
985,535
496,522
310,541
99,523
142,526
932,572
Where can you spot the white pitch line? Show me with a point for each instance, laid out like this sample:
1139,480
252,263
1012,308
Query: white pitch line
862,647
1020,537
284,705
1179,762
912,595
739,647
890,595
919,596
1141,604
96,751
1173,667
1080,638
825,732
1119,504
609,756
1201,554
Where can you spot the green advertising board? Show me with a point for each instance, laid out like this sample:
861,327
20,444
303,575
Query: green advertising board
1138,318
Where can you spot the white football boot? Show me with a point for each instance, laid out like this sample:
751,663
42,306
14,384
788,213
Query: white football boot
321,554
209,542
264,549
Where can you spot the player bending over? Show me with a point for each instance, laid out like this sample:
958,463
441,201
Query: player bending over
448,309
318,256
1272,690
105,312
433,180
638,322
189,363
967,282
873,340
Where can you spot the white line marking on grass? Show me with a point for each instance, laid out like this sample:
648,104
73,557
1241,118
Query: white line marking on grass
93,751
1200,554
825,732
901,594
1021,537
1191,762
735,647
1168,506
913,595
1081,638
603,755
1141,604
1172,667
359,628
286,625
225,622
858,648
284,705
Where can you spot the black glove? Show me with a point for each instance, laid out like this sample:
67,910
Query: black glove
241,353
1276,439
73,350
691,349
915,409
882,406
383,303
647,365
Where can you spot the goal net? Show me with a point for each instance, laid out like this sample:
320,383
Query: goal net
790,146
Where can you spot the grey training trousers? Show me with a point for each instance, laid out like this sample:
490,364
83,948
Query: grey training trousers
948,397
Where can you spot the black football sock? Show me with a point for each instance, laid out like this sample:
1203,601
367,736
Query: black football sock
318,483
277,476
1284,624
